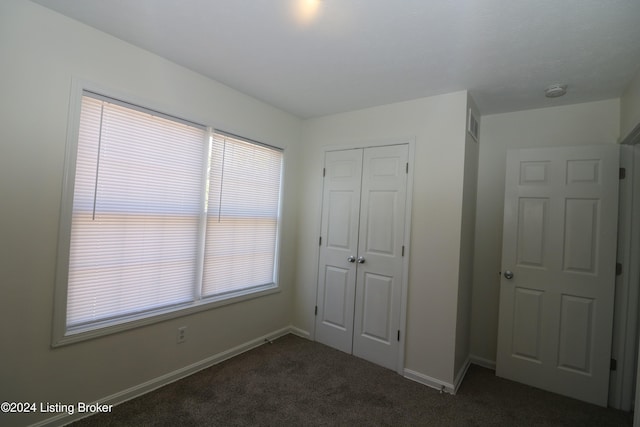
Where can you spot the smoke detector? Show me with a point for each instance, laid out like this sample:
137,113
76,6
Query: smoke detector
555,90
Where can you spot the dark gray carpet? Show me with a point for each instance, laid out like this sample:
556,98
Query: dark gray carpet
296,382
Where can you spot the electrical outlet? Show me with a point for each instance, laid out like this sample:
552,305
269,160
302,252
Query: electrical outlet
182,334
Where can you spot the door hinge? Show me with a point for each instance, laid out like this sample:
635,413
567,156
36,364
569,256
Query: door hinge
320,241
324,172
315,313
622,173
613,365
618,269
398,334
407,168
402,250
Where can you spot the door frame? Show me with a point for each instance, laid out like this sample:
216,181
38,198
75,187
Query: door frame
625,330
629,337
362,144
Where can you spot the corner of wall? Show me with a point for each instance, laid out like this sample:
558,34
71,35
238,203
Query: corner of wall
467,242
630,108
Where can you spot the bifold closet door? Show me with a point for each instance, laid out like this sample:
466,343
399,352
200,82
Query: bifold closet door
380,245
361,251
338,248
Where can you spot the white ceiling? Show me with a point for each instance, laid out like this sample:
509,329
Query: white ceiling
360,53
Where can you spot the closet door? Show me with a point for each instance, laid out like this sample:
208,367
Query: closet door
360,265
380,251
338,248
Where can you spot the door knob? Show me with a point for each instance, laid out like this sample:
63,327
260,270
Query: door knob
351,259
508,274
361,260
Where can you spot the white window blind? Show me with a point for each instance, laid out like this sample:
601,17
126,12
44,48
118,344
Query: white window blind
136,210
242,217
149,191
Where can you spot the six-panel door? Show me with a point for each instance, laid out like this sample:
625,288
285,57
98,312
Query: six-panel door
559,242
381,237
339,234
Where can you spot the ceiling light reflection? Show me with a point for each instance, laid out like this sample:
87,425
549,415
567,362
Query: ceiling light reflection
306,11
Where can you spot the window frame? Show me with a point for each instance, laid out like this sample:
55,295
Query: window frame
60,334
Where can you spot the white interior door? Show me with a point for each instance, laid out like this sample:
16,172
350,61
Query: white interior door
380,246
361,265
338,248
558,261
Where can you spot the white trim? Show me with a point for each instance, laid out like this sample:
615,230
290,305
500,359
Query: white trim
368,143
173,312
300,333
80,84
313,313
59,321
635,254
633,137
436,383
429,381
481,361
461,374
178,374
404,297
634,284
626,299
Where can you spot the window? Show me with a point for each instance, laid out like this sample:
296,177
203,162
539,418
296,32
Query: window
166,215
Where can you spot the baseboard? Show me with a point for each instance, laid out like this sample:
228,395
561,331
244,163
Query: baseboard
300,332
429,381
460,377
485,363
155,383
436,383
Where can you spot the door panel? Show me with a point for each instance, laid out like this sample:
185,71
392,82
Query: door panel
527,323
559,240
532,222
339,231
380,235
534,173
340,216
377,297
580,235
382,216
336,288
576,333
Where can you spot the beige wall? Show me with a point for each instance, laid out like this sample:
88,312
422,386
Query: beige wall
630,107
438,126
580,124
40,52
